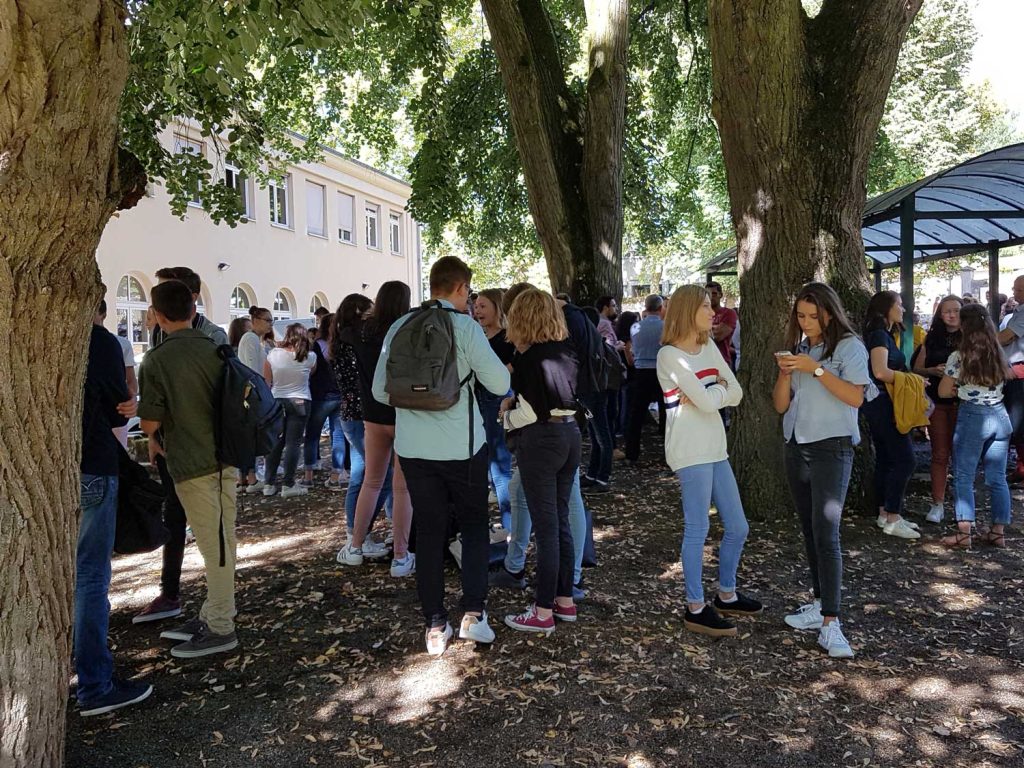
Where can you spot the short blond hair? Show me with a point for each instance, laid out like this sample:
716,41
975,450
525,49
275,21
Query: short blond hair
495,295
535,318
681,315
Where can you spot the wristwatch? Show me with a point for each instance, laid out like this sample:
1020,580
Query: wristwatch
819,372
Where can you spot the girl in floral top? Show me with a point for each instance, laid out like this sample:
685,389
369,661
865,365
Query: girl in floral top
342,358
975,373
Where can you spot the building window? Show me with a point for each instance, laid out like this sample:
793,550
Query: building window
131,312
282,307
241,300
239,182
396,232
280,211
317,302
316,223
346,218
372,226
187,146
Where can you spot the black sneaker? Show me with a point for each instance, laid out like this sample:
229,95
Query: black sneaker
203,643
597,487
741,606
586,481
708,622
123,694
183,632
501,578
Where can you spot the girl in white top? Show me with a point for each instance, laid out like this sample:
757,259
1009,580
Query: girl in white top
697,383
287,369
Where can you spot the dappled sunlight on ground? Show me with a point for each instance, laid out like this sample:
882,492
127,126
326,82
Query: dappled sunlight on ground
409,692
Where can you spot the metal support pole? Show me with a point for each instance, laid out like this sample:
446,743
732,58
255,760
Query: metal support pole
907,274
877,272
993,281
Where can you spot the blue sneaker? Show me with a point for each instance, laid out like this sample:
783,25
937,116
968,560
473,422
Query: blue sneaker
123,694
578,593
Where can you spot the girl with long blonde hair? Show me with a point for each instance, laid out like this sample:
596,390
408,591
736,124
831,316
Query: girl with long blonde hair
697,383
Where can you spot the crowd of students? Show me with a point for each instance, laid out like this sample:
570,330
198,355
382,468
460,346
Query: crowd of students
529,365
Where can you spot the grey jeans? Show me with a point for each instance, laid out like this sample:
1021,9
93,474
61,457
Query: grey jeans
818,475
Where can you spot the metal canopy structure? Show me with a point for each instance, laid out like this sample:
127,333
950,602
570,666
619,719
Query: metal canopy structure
975,206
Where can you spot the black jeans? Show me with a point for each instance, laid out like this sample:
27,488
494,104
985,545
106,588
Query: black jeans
818,475
291,442
894,454
174,549
601,441
549,455
646,390
437,488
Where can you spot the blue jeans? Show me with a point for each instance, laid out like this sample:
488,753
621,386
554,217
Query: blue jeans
982,434
319,411
497,450
515,557
701,484
93,661
353,432
601,441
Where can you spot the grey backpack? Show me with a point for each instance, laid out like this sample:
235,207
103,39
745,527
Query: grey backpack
422,366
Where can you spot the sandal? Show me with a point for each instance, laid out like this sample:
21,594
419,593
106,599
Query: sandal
959,540
997,540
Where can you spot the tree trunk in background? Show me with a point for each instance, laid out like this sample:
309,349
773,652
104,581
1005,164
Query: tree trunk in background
798,102
62,70
571,154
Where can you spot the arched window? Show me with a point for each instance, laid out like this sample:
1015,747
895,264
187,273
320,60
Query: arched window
241,300
318,301
282,309
132,304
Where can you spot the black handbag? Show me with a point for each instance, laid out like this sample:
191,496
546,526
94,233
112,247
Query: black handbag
140,505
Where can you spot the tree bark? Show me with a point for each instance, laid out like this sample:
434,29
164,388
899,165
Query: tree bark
571,153
62,70
798,102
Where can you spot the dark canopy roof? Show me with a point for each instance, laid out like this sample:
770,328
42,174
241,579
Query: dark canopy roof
968,208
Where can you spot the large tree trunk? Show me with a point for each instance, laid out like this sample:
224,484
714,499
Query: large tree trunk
571,154
798,101
62,69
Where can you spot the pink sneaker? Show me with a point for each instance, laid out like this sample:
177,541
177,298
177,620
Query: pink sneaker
564,613
529,621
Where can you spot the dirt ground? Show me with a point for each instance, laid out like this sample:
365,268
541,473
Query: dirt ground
332,670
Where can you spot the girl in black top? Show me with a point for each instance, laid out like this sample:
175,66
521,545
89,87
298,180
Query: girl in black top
930,361
379,439
894,451
545,438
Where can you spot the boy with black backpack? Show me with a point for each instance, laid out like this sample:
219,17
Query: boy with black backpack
426,370
180,382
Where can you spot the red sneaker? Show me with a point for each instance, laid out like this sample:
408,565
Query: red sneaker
529,621
564,612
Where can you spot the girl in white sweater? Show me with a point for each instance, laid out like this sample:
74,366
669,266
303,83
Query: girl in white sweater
697,383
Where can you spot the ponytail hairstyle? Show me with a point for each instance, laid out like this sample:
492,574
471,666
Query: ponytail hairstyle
296,338
981,358
835,325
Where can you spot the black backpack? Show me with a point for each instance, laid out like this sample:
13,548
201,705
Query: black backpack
140,509
595,360
249,420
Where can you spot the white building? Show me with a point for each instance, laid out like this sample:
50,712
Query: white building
328,229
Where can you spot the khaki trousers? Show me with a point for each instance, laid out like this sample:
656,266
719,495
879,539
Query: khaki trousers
204,499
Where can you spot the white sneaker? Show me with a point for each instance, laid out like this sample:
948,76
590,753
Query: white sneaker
437,639
935,514
257,487
831,639
901,529
374,550
473,628
806,616
404,566
269,490
349,555
288,491
883,521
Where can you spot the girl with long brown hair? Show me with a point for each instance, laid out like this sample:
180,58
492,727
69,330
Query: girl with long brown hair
823,372
975,374
930,361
